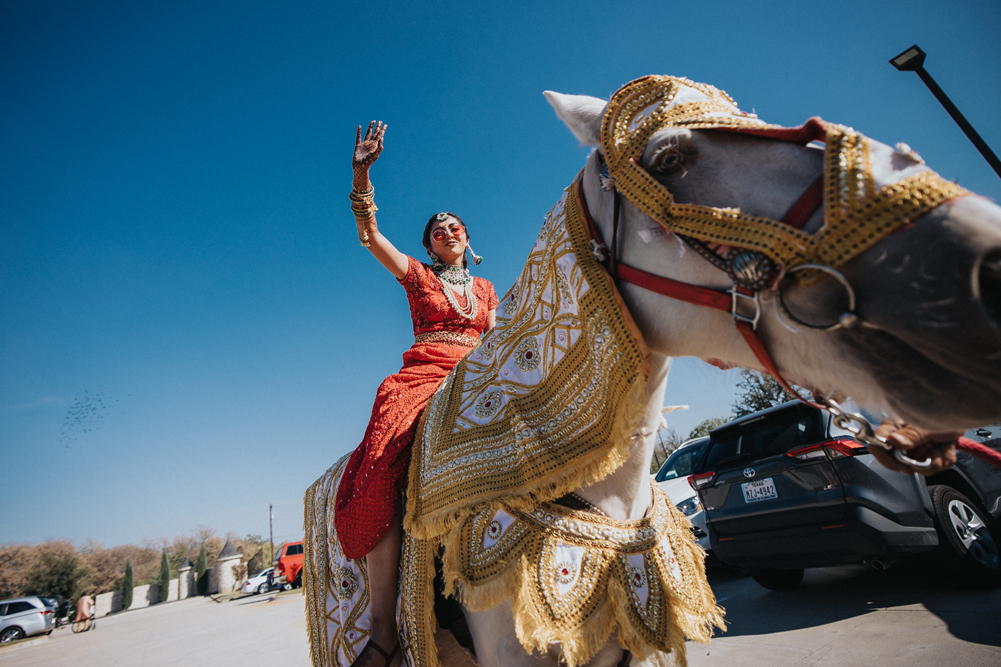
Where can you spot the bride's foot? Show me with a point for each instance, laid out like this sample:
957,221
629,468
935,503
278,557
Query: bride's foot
374,655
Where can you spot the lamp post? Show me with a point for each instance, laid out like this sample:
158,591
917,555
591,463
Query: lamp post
913,60
271,530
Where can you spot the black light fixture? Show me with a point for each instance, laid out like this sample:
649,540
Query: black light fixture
913,60
910,60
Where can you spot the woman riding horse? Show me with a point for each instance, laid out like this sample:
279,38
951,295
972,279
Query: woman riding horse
450,310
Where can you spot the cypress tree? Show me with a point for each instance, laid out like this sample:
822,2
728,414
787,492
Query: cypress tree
201,571
164,580
128,584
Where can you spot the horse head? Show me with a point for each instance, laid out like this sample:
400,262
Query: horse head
888,290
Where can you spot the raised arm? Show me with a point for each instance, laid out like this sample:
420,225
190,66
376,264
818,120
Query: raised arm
363,206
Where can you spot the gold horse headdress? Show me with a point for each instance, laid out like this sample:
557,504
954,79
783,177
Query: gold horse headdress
857,215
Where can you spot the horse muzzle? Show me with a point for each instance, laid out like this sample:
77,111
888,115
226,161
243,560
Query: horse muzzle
929,298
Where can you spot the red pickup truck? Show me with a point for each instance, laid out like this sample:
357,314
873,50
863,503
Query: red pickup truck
288,565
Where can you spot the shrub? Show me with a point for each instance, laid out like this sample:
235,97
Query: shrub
128,583
57,572
164,581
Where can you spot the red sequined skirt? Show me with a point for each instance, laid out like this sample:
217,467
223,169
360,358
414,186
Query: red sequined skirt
368,497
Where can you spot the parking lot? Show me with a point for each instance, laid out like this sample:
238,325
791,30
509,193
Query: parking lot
247,632
851,616
855,616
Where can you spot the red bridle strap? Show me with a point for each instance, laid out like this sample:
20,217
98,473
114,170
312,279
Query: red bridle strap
700,296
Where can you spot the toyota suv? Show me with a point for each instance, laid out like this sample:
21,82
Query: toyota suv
784,489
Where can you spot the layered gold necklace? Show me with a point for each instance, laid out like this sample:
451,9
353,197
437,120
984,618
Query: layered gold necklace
459,276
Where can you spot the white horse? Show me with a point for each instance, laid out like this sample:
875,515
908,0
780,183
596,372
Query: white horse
926,343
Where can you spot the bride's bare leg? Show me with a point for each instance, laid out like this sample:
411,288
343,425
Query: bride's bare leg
383,569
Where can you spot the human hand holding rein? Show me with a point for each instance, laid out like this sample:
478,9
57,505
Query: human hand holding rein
918,444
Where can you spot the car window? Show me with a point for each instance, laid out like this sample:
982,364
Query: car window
775,434
18,607
3,610
295,550
681,462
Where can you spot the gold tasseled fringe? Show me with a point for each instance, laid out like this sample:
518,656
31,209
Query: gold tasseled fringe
601,463
518,581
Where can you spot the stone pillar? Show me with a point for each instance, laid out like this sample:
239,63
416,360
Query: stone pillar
172,592
223,579
185,580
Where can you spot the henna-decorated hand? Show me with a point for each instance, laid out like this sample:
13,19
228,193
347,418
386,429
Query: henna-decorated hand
918,444
367,150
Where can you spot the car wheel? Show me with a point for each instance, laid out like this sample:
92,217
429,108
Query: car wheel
286,587
263,588
11,634
967,542
779,580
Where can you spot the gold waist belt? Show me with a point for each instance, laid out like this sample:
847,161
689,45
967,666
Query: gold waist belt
449,337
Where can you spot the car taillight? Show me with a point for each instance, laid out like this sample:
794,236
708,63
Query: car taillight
702,480
842,447
835,449
46,612
811,453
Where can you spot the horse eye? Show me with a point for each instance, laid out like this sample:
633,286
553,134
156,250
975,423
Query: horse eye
668,160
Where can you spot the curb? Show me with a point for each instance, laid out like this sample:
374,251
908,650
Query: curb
24,643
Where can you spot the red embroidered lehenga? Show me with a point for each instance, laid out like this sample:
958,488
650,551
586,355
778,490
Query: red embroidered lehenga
368,497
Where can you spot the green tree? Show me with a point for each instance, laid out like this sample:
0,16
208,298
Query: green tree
707,425
201,572
128,583
57,573
758,392
163,582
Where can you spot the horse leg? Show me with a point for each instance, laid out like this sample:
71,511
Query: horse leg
497,644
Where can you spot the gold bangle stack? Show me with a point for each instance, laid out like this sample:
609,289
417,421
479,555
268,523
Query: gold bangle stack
364,208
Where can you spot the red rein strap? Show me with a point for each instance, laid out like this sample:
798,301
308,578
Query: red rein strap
982,452
971,447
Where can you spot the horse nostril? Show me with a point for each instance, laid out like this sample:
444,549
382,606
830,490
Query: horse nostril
989,282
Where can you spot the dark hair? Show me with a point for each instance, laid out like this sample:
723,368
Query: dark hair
426,240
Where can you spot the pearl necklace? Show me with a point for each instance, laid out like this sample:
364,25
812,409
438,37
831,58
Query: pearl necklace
453,275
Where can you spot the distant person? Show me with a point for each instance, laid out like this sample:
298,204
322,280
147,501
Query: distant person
450,309
84,607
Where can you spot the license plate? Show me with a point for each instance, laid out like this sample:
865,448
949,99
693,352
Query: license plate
762,489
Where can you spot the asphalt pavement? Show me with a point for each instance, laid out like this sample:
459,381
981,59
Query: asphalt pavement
246,632
909,615
852,616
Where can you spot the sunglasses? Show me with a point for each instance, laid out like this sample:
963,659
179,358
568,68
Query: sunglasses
455,230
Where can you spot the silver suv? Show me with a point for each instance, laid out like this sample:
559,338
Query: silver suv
24,617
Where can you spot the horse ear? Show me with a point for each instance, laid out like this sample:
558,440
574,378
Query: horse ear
581,113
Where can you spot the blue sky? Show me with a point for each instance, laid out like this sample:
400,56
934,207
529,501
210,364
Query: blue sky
189,329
